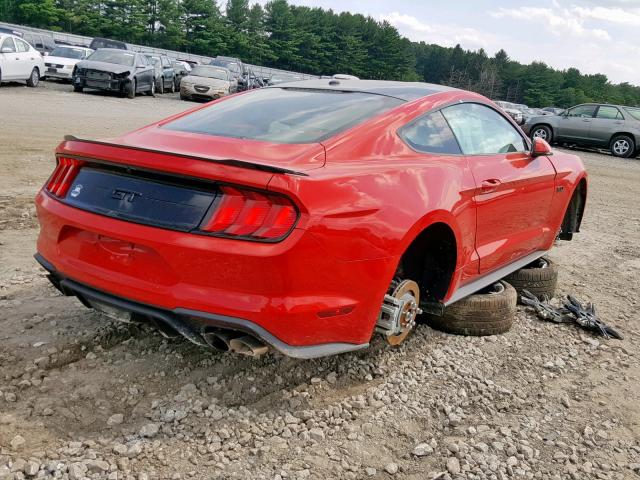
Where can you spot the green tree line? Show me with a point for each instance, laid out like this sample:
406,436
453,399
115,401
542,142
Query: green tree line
315,41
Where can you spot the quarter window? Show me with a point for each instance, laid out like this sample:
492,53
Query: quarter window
21,46
480,130
609,113
582,111
431,133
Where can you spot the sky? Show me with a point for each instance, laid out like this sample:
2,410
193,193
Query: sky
595,36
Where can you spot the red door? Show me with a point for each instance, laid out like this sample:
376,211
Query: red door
513,190
513,198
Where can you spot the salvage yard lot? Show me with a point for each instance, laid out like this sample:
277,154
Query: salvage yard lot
87,396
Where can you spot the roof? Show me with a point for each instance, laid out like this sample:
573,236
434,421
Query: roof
402,90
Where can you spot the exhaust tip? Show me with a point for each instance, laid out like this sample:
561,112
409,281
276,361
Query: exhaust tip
248,345
219,340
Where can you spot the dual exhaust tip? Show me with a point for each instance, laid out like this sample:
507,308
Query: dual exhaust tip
229,341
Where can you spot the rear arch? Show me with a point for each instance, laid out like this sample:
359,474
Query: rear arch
430,260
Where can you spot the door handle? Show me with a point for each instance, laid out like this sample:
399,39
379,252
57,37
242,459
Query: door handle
489,185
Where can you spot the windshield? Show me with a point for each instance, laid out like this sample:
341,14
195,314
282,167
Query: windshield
69,52
110,56
210,72
634,112
229,64
285,115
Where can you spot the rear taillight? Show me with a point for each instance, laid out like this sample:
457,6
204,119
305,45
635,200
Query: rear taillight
63,176
249,214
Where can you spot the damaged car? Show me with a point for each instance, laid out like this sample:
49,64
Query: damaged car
307,217
125,72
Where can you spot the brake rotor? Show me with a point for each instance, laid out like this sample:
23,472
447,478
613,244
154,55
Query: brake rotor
409,293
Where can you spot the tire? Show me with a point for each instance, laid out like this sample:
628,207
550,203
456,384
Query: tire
183,97
479,314
543,132
622,146
539,277
152,89
77,89
131,89
34,78
173,87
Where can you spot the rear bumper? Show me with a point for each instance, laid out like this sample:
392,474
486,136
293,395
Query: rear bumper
190,323
292,294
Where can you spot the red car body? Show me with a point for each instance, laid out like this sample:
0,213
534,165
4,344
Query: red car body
365,202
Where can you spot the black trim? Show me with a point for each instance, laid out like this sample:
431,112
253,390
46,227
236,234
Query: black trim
225,161
190,323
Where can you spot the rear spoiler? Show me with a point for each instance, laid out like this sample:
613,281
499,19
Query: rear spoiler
224,161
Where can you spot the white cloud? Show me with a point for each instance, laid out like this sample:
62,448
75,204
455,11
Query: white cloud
441,34
559,22
628,17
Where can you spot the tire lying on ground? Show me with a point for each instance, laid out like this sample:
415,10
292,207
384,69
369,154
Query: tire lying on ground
488,312
539,277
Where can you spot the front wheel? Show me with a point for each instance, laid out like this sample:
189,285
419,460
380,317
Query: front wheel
34,78
622,146
77,88
152,90
543,132
131,89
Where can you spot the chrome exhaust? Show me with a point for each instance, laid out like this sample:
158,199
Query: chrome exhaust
220,340
248,345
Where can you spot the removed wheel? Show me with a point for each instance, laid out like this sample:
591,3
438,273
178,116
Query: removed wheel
622,146
539,277
488,312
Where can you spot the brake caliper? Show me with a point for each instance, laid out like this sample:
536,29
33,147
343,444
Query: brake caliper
399,310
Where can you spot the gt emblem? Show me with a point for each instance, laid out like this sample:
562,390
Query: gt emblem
76,191
126,195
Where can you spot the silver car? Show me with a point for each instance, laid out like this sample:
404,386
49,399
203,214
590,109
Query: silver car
615,127
206,82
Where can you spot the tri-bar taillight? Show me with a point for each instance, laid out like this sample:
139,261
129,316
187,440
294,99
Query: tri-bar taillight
63,176
250,214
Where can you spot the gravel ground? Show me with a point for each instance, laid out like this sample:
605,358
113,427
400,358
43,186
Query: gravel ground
84,397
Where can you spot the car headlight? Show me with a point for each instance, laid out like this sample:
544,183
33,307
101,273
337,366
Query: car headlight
68,67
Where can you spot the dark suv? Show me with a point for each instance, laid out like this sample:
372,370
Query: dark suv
616,127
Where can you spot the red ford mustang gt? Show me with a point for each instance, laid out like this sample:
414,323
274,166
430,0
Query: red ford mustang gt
283,216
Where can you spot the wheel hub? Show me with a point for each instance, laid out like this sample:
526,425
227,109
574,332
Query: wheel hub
399,311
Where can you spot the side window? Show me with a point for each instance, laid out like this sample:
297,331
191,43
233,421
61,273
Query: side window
166,62
430,133
21,46
609,113
582,111
142,61
8,43
480,130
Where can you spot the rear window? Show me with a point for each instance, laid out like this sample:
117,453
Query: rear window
285,115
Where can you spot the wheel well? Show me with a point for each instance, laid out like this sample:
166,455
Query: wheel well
633,137
575,210
430,260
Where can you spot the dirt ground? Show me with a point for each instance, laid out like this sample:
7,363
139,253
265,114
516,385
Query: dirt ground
84,397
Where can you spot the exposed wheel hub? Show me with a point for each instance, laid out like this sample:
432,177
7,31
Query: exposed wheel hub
399,311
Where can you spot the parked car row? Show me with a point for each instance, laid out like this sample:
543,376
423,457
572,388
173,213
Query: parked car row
112,65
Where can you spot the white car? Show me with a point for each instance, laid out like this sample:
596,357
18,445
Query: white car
60,62
19,61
